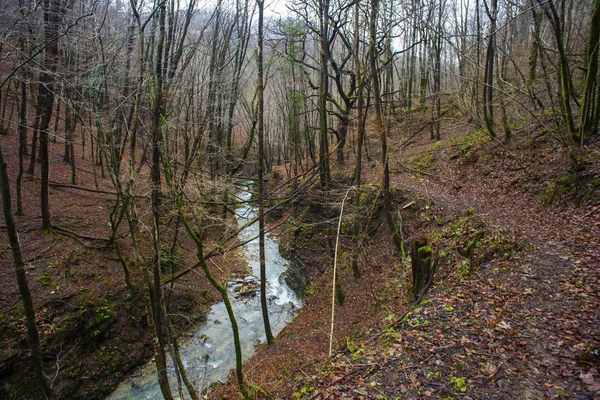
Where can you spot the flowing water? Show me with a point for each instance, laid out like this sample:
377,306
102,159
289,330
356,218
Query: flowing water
209,355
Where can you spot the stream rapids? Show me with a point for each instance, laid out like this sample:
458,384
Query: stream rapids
209,354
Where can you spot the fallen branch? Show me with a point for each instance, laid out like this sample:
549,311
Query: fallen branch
590,213
62,185
79,236
32,259
406,142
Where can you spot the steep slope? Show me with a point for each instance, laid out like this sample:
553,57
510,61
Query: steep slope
514,312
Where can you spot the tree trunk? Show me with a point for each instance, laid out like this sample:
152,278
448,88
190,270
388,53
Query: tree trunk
323,93
53,12
359,140
488,86
34,141
588,115
387,203
157,295
342,133
13,239
422,266
22,131
437,77
261,188
563,66
501,78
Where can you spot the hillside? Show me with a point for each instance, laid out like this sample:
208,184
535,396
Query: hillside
93,329
513,311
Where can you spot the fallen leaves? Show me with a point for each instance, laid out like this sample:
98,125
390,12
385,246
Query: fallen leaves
589,379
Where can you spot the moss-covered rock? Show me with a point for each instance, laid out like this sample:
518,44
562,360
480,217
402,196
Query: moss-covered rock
296,277
570,186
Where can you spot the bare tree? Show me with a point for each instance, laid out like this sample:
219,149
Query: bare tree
32,332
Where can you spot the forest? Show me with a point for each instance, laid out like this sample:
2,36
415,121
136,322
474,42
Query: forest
371,199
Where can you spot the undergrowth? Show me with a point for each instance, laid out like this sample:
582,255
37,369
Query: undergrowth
468,243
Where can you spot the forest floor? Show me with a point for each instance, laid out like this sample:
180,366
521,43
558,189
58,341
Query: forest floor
514,311
93,330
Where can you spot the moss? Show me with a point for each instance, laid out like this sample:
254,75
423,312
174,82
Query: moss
88,321
570,186
339,294
295,276
467,147
421,260
590,189
425,162
420,108
474,242
45,280
342,176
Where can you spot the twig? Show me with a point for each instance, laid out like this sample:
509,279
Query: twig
62,185
337,242
406,142
78,236
408,205
590,213
41,253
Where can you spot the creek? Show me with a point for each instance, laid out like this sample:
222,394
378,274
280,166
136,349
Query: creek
209,354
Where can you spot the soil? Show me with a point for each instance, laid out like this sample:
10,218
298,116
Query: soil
514,311
93,330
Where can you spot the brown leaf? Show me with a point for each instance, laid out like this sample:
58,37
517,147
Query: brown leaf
491,369
589,380
504,325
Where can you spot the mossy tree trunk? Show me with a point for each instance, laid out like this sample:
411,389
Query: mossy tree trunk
377,100
501,77
359,139
158,113
324,174
32,332
261,186
589,115
563,64
488,86
422,266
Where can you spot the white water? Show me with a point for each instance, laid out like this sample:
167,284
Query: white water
209,355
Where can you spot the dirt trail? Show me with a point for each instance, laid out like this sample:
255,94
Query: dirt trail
524,327
520,320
